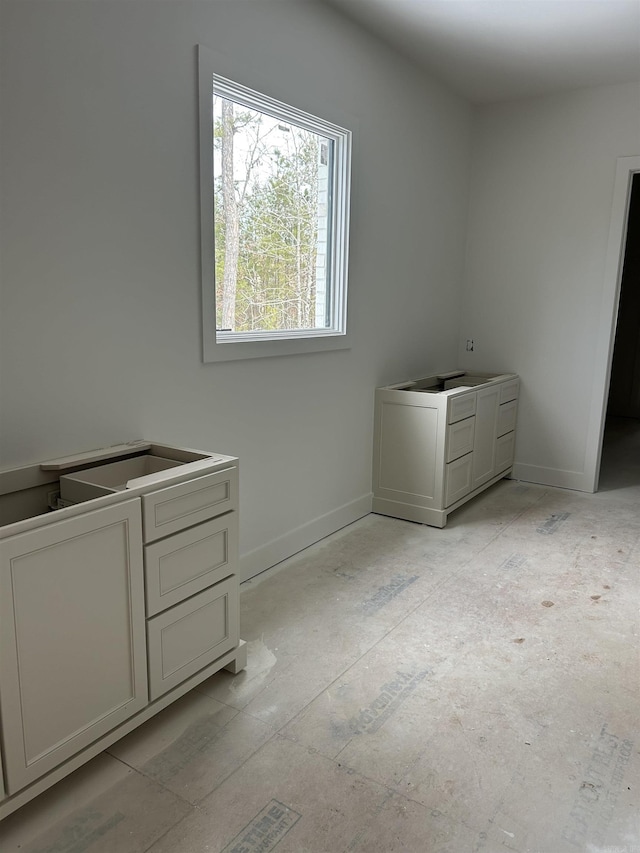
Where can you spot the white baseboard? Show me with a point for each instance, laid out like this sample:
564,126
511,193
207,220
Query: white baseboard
266,556
576,480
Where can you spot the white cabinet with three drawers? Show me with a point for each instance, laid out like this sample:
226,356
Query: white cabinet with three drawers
112,605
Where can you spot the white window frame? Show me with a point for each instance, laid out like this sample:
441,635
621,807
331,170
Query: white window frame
227,346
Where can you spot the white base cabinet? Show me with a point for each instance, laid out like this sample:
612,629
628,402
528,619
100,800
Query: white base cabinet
441,440
114,604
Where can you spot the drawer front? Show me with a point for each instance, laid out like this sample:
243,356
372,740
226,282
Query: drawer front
188,562
188,637
458,479
177,507
507,417
509,390
460,438
504,451
462,407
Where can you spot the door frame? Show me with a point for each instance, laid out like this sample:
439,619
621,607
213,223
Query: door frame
626,168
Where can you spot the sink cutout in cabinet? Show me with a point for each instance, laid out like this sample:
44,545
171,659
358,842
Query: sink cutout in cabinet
107,479
440,384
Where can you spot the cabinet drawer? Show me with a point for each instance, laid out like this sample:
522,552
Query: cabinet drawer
507,417
460,438
509,390
504,451
191,635
457,479
462,407
172,509
188,562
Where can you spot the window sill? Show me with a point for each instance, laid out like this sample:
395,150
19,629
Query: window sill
214,351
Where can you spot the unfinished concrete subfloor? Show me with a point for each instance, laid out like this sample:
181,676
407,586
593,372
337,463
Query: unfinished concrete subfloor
467,690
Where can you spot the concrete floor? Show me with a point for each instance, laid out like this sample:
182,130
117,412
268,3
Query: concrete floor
466,690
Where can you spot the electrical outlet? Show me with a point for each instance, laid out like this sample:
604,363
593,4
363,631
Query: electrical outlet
469,345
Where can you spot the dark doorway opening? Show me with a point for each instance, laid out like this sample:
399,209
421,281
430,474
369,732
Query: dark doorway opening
620,464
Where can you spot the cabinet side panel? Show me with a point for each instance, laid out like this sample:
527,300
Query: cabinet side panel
407,454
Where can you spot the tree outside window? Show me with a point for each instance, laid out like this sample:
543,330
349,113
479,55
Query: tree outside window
280,180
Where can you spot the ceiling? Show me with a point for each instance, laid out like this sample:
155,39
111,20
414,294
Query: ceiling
495,50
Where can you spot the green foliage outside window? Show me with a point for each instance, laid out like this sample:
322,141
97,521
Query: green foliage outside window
271,200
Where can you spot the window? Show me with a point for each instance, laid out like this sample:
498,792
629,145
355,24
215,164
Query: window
275,211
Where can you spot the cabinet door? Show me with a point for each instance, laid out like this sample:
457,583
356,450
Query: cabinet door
484,443
72,636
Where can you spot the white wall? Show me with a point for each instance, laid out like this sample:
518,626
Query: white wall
100,316
541,194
